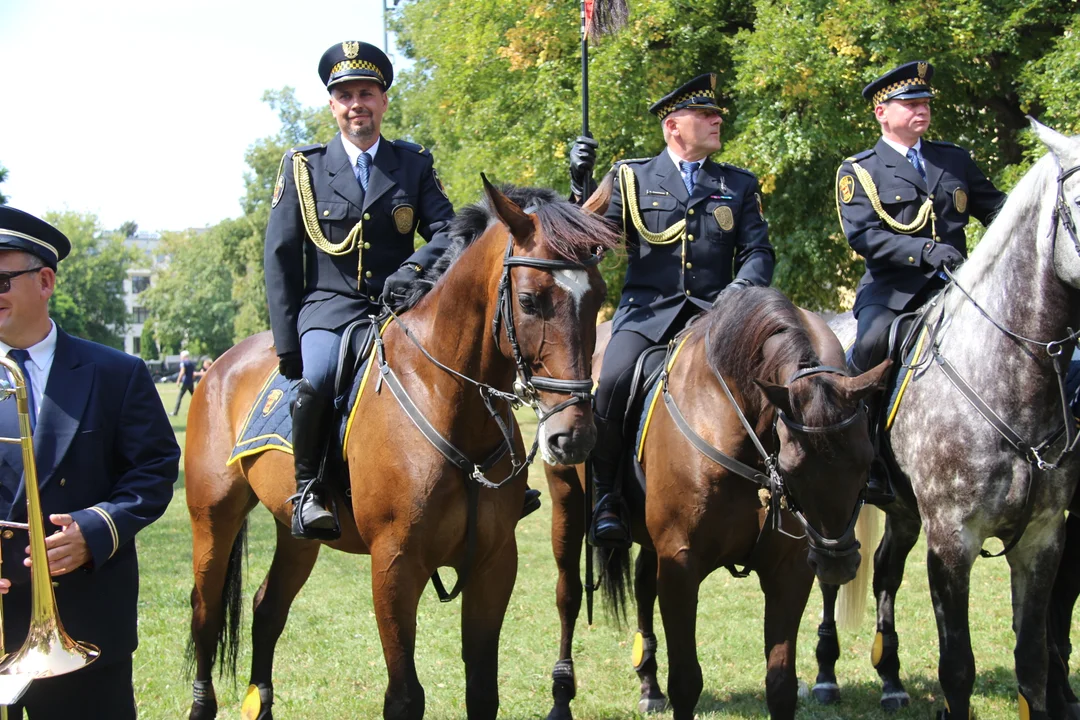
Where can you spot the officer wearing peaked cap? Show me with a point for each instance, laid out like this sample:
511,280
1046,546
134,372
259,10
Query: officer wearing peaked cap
693,227
903,206
340,239
106,460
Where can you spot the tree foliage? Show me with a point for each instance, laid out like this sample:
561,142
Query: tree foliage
89,296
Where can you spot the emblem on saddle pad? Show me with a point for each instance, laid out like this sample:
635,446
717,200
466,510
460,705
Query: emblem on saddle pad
724,218
960,200
279,190
403,219
271,401
847,188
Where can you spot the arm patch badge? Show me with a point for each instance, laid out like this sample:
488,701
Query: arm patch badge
847,188
438,183
760,209
279,190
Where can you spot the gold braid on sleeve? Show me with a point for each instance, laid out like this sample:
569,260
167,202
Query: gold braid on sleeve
302,177
628,186
926,212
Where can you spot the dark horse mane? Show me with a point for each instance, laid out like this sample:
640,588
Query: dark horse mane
739,328
567,231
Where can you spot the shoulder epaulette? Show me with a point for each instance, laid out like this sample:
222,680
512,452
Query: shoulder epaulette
411,146
860,156
943,143
627,161
736,168
307,148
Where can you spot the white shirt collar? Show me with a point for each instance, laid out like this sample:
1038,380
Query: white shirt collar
676,159
354,152
901,148
42,353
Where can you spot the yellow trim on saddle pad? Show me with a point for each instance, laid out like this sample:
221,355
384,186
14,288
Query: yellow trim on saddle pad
243,429
914,361
652,405
360,392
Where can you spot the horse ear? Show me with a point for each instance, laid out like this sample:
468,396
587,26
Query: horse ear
520,224
598,202
859,387
776,394
1052,139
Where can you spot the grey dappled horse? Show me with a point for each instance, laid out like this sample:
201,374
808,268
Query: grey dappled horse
959,477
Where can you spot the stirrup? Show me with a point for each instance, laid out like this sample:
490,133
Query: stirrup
616,506
300,530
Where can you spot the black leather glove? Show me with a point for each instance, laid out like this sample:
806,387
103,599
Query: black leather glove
942,255
396,287
582,161
732,287
291,365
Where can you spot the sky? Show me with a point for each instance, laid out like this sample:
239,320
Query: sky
141,110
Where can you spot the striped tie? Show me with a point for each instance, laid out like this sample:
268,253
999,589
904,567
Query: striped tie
363,168
21,357
688,169
913,158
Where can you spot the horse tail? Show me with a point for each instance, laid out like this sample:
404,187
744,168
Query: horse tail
228,639
852,598
615,577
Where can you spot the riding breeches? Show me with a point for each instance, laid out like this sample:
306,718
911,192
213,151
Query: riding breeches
320,349
872,334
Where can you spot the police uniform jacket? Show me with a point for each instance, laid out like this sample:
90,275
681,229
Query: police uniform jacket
723,236
956,188
316,277
106,454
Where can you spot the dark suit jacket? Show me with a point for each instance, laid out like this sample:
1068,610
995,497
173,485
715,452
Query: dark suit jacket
895,271
307,288
106,454
661,279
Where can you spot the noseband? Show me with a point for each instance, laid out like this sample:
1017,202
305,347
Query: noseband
776,496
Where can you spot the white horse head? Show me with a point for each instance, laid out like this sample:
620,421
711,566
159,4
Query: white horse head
1066,196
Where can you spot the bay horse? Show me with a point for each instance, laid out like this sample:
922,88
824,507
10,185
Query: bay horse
975,440
512,308
780,498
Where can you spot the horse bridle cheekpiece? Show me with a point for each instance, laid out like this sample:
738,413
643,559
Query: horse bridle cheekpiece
1062,212
775,494
526,388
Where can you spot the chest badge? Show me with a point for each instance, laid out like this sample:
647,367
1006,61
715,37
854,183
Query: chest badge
403,219
724,218
847,188
279,190
960,199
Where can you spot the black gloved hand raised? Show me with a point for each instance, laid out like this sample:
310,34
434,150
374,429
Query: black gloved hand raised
291,365
582,161
396,287
942,255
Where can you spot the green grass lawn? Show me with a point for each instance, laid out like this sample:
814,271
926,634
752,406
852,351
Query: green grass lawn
330,665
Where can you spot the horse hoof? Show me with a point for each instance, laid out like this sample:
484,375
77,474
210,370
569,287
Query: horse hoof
891,702
649,705
560,713
826,693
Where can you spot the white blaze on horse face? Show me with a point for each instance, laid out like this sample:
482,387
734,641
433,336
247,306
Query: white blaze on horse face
575,282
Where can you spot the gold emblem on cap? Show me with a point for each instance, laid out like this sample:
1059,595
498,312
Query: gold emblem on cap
960,199
351,48
922,70
847,188
403,218
724,218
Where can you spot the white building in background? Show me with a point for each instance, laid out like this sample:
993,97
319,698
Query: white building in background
139,278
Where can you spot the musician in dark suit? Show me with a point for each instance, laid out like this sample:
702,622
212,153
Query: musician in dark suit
903,206
106,461
693,227
340,238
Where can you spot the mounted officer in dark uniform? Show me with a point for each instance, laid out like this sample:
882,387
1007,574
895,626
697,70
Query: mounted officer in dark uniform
340,238
693,227
903,206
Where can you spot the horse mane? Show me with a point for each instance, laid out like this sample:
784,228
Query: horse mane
738,329
567,232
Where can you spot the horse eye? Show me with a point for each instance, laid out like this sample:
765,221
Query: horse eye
528,303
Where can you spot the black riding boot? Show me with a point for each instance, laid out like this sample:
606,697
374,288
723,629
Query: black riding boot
311,519
609,526
879,487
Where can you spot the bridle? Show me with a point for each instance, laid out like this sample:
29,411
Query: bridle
775,493
526,389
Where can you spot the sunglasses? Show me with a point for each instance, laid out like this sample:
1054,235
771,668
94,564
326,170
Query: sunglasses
5,277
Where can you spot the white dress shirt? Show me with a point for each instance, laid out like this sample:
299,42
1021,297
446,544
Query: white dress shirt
354,152
39,365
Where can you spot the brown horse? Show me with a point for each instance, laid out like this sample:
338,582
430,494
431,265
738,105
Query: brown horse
514,308
781,501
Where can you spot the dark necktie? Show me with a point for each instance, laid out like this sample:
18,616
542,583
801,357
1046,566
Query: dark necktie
21,357
363,169
913,158
688,169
